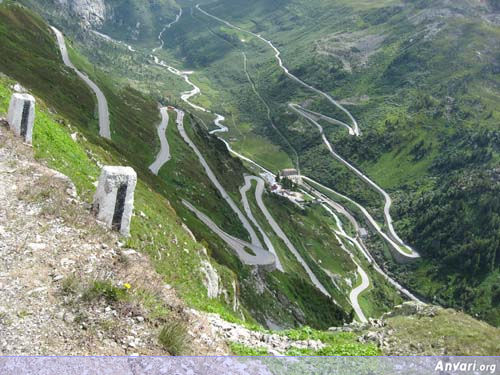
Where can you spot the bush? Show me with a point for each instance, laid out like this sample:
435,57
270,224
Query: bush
174,338
106,290
69,285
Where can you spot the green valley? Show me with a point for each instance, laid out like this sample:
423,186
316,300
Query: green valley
356,144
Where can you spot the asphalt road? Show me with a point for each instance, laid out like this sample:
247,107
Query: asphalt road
164,154
102,104
258,195
260,256
395,241
353,130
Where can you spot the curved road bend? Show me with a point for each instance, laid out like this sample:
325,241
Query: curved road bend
365,280
218,122
342,211
358,242
356,292
355,241
363,210
102,103
246,224
262,257
327,118
164,154
185,97
243,191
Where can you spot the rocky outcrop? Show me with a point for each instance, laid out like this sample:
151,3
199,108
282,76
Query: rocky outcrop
412,309
90,13
211,280
273,343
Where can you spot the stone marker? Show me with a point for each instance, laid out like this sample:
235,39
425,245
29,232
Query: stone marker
114,198
21,116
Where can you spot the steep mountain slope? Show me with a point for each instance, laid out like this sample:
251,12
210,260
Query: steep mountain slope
290,298
136,20
419,77
206,275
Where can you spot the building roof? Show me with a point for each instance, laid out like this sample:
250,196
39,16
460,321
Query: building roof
289,172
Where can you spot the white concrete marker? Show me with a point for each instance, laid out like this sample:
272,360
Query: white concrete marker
21,116
114,198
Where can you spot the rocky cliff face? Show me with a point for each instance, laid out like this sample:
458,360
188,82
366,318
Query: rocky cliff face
90,13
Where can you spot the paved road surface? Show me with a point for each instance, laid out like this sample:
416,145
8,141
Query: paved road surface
102,103
279,232
164,154
243,191
358,242
287,72
262,257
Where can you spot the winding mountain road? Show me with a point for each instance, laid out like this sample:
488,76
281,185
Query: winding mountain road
358,242
167,26
277,55
218,122
365,281
164,154
395,241
185,96
353,130
102,103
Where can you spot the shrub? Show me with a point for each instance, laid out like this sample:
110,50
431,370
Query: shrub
69,285
106,290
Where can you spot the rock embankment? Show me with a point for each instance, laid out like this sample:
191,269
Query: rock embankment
273,343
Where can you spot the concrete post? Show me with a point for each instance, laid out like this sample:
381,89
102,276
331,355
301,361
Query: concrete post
21,116
114,198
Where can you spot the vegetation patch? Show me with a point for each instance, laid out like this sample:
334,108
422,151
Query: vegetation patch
174,338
